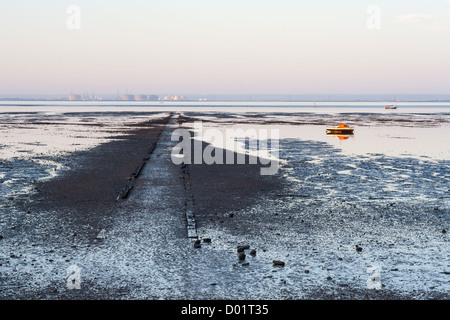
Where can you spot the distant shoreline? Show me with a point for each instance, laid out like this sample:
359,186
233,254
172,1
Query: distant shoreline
228,101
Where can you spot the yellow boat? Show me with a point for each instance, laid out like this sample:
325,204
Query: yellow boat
341,128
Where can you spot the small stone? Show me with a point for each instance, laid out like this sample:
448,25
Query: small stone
241,256
253,252
197,244
231,215
242,248
359,249
444,231
278,263
1,237
329,278
207,240
306,271
340,259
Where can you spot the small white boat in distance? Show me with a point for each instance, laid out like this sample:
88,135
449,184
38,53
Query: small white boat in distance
391,106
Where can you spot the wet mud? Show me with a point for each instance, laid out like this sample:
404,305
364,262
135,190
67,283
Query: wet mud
314,230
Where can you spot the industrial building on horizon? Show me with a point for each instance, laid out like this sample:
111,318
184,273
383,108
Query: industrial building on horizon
73,96
126,97
151,97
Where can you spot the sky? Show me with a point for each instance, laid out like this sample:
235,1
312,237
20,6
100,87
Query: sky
225,47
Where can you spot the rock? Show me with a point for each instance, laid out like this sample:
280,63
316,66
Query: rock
207,240
358,248
197,244
306,271
242,248
444,231
329,278
241,256
278,263
1,237
231,215
253,252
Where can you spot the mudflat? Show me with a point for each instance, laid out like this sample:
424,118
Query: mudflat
319,228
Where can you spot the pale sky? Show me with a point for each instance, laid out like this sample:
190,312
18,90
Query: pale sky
225,47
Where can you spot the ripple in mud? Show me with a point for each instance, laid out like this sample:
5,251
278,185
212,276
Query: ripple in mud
324,171
18,175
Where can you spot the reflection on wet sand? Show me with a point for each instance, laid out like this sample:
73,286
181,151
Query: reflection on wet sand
340,136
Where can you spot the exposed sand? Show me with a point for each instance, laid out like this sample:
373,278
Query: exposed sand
144,251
